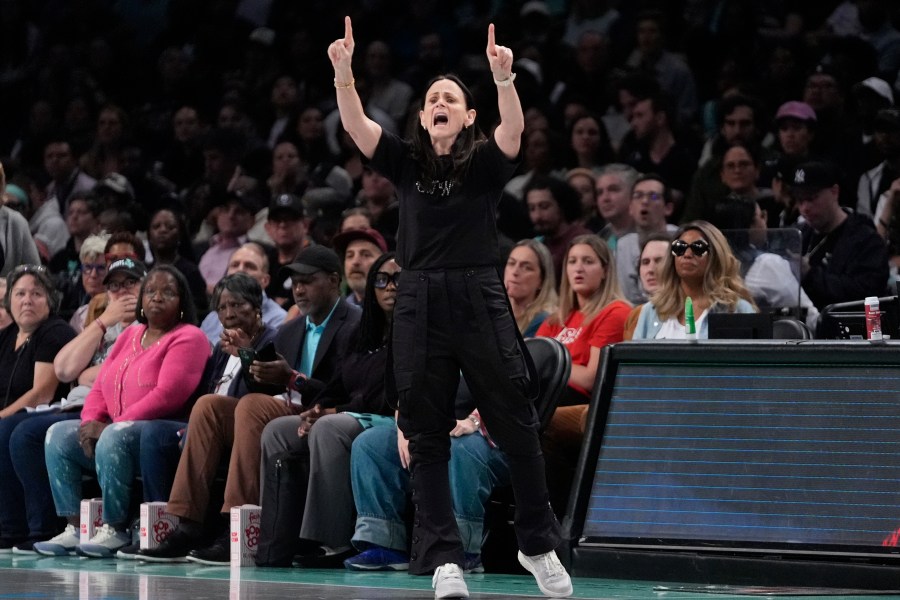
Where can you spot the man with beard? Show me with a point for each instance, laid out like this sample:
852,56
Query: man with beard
553,207
359,249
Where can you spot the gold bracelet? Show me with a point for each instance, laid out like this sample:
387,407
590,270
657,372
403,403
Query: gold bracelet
342,86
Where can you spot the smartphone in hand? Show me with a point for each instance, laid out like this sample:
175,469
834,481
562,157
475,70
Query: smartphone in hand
247,356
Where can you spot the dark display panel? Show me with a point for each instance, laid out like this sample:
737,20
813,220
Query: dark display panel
747,454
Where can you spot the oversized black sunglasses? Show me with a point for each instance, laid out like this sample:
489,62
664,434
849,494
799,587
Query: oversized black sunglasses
382,279
698,247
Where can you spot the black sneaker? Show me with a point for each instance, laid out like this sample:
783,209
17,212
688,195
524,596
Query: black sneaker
8,543
129,552
26,547
172,549
218,553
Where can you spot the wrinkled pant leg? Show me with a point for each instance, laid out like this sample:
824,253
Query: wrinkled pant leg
118,459
380,485
328,517
31,472
210,434
65,464
251,415
475,470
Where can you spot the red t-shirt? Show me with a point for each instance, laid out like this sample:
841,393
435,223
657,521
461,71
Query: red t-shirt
606,328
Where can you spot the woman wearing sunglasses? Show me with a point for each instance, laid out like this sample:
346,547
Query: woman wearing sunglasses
700,266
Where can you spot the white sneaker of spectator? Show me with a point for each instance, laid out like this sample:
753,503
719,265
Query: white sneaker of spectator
62,544
105,543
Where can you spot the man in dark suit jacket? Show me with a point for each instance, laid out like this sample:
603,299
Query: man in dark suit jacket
308,350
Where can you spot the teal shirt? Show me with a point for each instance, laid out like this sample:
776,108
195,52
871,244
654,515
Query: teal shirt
311,342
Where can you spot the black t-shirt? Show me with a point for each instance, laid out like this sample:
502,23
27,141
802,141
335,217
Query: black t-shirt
17,367
445,225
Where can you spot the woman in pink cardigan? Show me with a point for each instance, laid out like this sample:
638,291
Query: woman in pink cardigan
150,373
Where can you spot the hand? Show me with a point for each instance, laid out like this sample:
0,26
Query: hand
341,54
403,449
88,434
310,417
463,427
232,339
499,57
118,310
276,372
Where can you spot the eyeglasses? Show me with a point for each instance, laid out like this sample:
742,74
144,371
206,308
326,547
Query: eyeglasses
97,268
651,196
382,279
127,284
166,293
698,247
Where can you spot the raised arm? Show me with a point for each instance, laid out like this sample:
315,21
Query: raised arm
364,131
76,356
508,133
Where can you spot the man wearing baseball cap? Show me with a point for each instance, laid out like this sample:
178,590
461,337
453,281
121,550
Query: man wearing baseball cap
359,249
287,226
843,257
796,123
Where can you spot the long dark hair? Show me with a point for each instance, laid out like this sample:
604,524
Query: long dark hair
373,321
463,148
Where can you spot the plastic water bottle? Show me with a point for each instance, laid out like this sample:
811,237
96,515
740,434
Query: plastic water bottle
873,319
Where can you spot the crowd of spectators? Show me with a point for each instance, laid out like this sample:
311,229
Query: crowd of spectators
202,138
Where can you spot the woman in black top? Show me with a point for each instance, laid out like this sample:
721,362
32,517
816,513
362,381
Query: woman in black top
452,313
27,380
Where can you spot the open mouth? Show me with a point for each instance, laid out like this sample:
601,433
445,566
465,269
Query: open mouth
441,119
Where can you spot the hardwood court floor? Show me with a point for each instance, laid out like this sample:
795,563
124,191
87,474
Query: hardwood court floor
43,578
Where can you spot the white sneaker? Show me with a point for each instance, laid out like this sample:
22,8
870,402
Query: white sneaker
105,543
62,544
448,582
549,573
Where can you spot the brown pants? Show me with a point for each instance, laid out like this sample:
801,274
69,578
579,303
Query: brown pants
216,423
562,442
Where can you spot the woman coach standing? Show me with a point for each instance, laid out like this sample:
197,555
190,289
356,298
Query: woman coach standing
452,313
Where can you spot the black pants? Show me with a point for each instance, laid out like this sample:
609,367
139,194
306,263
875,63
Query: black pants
446,322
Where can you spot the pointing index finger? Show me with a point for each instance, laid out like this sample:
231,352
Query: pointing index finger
491,45
348,29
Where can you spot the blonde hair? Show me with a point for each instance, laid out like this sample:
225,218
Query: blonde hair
93,246
722,282
546,299
609,290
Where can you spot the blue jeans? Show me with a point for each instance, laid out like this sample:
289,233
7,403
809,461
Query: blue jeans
26,503
380,487
160,453
117,462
